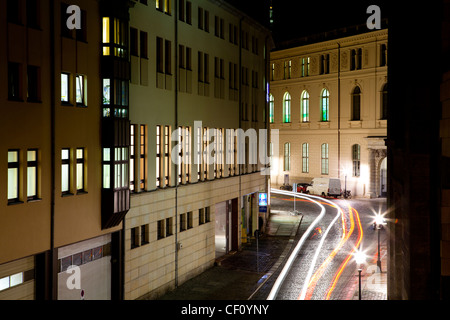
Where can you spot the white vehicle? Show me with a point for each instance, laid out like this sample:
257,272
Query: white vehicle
325,187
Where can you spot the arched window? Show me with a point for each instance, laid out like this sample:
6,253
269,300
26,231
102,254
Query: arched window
384,102
305,106
325,105
287,156
305,158
271,108
287,108
356,104
356,158
324,158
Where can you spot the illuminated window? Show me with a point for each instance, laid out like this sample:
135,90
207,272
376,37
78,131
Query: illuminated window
287,156
80,90
158,156
106,30
80,169
13,176
106,97
106,168
356,158
142,152
199,153
65,87
65,171
132,157
167,161
305,158
305,106
287,108
121,168
324,158
325,105
32,174
271,108
356,104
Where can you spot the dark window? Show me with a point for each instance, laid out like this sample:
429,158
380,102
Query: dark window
144,46
384,102
181,10
134,42
168,57
32,13
14,81
356,104
134,237
33,83
82,33
13,11
188,12
144,234
159,55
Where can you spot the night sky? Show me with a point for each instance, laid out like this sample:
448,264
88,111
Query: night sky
297,18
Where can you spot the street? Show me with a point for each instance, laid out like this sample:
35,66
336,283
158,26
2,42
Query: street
324,267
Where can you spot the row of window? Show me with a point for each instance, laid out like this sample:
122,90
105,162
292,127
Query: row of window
15,76
324,158
32,176
140,235
84,257
16,279
325,105
324,64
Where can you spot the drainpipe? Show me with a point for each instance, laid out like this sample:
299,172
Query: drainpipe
53,294
176,127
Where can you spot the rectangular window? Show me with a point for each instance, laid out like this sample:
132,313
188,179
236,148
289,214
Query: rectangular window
181,10
132,157
142,148
287,156
167,7
134,237
305,158
199,153
160,229
144,44
168,57
205,153
356,157
201,216
106,168
13,176
182,222
145,234
207,215
190,222
80,169
187,153
80,90
32,174
82,33
167,159
65,87
169,224
206,20
324,155
159,55
200,18
14,81
13,12
188,12
33,84
206,68
158,156
188,58
65,171
134,42
180,154
105,36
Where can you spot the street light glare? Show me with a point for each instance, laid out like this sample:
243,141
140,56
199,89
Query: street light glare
360,257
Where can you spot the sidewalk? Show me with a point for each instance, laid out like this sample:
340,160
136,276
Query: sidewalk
242,275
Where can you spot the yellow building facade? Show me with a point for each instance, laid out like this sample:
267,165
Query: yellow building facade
328,99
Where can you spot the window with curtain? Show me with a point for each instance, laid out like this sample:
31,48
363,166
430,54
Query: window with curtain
287,156
324,158
305,157
305,106
325,105
356,158
287,108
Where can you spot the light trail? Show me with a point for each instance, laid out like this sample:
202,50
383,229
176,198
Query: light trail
287,266
344,264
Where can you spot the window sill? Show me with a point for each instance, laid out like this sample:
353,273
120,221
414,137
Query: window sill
68,194
34,200
30,100
15,99
81,192
66,104
14,202
81,105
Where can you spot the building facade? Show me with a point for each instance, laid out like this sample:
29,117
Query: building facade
97,205
328,99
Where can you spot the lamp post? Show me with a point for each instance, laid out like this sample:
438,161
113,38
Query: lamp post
379,221
360,258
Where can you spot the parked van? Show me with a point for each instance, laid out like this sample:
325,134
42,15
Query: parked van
325,187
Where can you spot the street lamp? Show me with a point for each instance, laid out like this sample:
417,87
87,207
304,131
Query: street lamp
360,258
378,222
